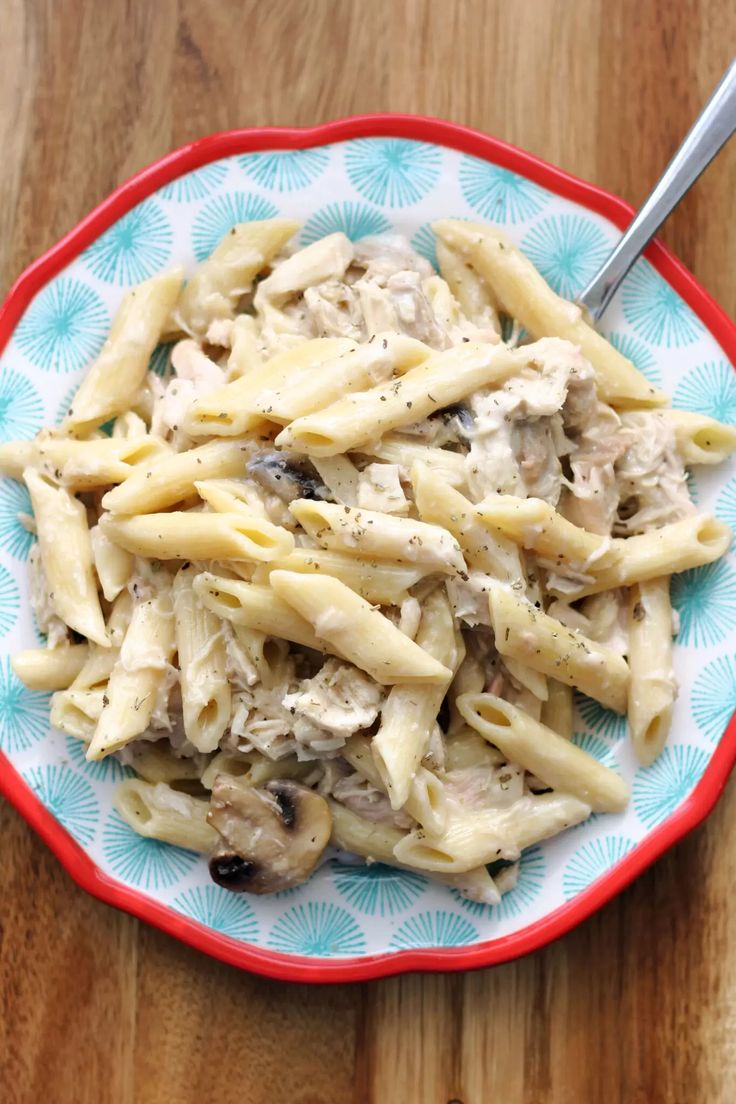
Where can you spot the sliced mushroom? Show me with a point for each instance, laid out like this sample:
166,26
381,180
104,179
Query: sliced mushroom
462,418
288,476
271,837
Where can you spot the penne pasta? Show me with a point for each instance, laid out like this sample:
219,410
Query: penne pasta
551,758
700,439
231,410
468,287
84,465
220,281
383,358
15,457
76,712
67,563
475,838
334,569
653,684
341,477
112,384
394,449
410,712
425,801
441,504
137,677
114,566
170,479
205,690
537,640
159,812
255,607
443,379
245,354
536,525
379,582
523,294
557,710
50,668
679,546
379,843
181,535
360,633
369,533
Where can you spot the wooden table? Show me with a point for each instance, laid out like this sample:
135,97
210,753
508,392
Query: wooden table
639,1004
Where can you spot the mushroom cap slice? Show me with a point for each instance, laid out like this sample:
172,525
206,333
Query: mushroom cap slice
271,837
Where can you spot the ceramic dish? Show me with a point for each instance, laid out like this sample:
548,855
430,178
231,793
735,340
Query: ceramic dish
366,176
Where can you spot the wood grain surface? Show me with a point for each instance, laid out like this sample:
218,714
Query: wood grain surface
637,1005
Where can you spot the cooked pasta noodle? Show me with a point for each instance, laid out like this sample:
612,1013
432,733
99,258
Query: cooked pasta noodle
333,581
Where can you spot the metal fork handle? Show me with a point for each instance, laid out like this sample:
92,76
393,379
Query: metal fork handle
711,130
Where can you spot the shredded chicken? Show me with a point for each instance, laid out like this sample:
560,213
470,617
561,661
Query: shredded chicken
593,489
385,256
518,433
651,478
358,794
196,376
261,720
324,710
602,617
480,787
335,311
379,488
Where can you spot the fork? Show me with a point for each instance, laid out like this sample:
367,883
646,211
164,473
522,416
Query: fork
708,134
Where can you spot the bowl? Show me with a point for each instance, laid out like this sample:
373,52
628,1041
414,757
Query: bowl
366,176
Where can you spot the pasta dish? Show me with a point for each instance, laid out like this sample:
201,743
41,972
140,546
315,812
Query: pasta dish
328,584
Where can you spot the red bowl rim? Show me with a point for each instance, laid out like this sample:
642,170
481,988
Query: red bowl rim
702,799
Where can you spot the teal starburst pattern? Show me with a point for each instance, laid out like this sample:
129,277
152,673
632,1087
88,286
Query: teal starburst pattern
215,908
425,244
134,247
160,360
705,598
438,928
355,220
64,327
21,409
713,698
656,311
692,486
658,790
284,170
195,185
24,713
9,601
108,769
567,250
639,354
70,798
378,890
725,508
603,722
317,929
392,172
709,389
219,215
529,885
597,747
146,863
66,402
592,861
14,537
497,194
